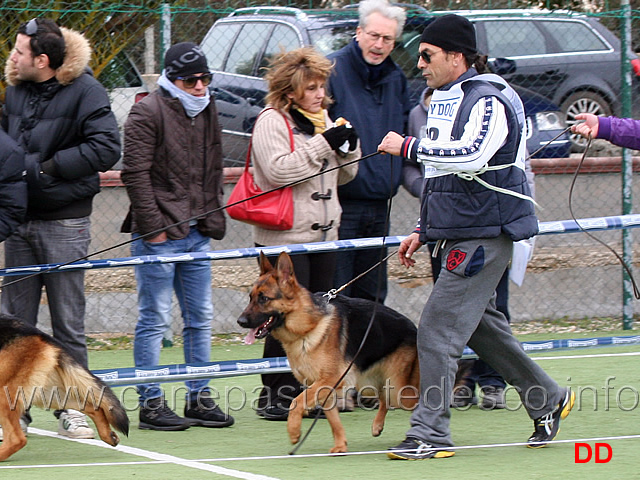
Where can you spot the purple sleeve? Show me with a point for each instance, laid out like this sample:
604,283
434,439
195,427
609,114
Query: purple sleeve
624,132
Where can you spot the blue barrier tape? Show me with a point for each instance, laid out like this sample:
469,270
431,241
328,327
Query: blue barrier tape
233,368
546,228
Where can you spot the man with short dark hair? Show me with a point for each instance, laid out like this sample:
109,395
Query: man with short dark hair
61,116
475,203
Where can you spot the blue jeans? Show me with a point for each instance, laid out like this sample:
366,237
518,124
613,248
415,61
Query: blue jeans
191,282
362,219
50,241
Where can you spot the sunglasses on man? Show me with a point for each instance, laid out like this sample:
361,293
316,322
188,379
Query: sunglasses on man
31,29
427,56
192,80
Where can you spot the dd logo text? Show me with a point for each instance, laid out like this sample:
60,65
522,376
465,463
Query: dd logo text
584,453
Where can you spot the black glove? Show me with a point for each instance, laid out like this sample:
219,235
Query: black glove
353,139
337,136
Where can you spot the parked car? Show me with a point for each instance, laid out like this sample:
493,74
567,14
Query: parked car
240,45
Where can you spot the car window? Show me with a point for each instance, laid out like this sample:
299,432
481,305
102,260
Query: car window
247,47
329,40
216,44
575,37
512,38
405,54
283,38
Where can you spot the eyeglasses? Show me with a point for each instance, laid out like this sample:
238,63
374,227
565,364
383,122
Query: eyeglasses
192,80
386,39
31,28
427,56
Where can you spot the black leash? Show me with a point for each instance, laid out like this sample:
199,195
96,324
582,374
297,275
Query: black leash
194,218
549,142
636,290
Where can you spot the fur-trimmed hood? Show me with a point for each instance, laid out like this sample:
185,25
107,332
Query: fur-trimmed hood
76,59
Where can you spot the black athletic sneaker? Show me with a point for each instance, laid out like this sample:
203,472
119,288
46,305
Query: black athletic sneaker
156,415
548,426
205,413
414,449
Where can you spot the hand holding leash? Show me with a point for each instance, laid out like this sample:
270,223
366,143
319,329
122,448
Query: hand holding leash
407,248
391,143
588,128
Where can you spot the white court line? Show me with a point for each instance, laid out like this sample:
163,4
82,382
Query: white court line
302,456
594,355
158,457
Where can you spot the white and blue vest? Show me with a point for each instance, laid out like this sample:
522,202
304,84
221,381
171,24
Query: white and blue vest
455,208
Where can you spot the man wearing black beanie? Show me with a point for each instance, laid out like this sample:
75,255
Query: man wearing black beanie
172,169
475,204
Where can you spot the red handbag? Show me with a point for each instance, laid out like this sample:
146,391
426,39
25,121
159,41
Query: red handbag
273,211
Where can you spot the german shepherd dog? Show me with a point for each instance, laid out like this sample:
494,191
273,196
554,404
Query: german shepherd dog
321,338
35,368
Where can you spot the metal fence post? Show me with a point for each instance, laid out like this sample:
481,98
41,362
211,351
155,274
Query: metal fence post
165,25
627,168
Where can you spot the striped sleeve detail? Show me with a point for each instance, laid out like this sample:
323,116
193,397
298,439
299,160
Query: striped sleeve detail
409,148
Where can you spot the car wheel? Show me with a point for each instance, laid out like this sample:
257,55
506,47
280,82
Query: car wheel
583,102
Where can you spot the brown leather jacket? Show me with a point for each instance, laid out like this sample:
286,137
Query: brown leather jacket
172,168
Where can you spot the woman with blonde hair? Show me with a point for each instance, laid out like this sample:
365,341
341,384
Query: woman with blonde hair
294,138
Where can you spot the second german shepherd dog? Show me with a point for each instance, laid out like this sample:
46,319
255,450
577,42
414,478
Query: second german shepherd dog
321,338
36,369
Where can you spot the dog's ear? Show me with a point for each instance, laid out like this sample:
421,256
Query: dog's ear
265,264
285,268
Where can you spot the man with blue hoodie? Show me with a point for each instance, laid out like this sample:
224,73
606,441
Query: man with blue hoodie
370,91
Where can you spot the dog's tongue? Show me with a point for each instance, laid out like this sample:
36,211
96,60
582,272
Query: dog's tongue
251,336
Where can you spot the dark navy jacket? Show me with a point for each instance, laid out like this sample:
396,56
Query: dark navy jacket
374,107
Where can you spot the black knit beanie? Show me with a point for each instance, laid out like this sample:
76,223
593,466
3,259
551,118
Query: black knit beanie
184,59
452,33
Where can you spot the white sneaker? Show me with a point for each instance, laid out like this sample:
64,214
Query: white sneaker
73,424
23,425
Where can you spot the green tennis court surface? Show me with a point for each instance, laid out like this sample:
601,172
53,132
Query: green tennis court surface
606,381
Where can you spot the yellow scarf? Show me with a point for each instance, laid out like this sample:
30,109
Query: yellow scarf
317,119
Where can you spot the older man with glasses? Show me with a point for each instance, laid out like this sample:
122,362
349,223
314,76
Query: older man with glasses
370,91
173,174
61,117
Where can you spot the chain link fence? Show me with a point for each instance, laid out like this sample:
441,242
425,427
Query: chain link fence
569,276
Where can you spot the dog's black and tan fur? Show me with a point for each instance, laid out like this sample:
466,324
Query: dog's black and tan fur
321,338
30,359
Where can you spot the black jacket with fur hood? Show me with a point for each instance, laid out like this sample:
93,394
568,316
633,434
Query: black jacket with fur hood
68,132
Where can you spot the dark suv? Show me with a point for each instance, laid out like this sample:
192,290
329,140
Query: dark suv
240,45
